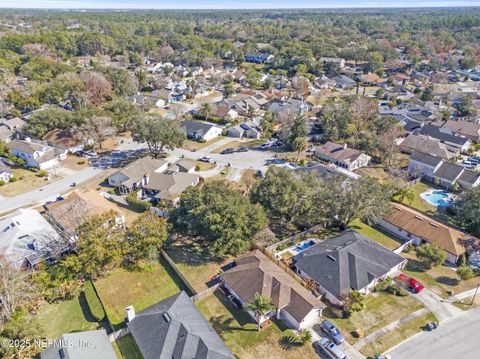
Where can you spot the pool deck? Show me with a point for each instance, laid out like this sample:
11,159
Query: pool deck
292,249
448,199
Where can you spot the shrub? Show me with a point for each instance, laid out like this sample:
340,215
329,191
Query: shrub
33,169
13,179
2,182
82,162
465,273
197,168
42,173
462,260
383,284
358,333
136,203
408,248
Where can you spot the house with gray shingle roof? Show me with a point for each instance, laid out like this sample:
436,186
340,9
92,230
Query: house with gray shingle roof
342,156
93,344
438,170
37,154
174,328
136,174
348,261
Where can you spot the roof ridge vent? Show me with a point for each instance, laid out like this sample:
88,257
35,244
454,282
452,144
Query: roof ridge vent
418,217
433,224
331,257
167,317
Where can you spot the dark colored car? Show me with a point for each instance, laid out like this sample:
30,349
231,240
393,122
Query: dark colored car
227,151
242,149
332,331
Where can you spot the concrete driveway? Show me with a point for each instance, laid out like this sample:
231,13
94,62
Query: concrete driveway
348,349
442,309
457,338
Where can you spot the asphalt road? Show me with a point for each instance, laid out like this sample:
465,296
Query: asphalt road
458,338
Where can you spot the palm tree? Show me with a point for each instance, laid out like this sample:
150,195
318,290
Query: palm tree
206,109
304,336
299,144
405,194
262,304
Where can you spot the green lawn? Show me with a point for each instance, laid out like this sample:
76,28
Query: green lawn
380,309
65,317
397,336
240,334
418,202
376,235
439,279
126,348
138,287
195,263
191,145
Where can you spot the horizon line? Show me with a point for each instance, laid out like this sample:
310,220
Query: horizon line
241,8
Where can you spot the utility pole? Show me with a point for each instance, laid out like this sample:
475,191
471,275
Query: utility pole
476,290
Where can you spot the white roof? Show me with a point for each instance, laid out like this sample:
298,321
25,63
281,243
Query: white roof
25,233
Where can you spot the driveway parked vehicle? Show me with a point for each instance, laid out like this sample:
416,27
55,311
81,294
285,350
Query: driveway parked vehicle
330,349
207,159
227,151
332,331
242,149
410,283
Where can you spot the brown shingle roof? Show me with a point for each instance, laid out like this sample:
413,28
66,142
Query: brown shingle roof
426,228
338,152
255,273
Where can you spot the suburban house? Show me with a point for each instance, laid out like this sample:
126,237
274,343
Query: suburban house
65,139
333,60
342,156
437,170
11,128
259,58
26,238
168,186
248,129
136,174
344,82
80,205
348,261
413,143
470,130
200,130
223,111
415,227
434,132
255,273
93,344
38,155
5,172
174,328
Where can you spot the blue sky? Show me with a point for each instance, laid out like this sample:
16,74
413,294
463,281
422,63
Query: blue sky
230,4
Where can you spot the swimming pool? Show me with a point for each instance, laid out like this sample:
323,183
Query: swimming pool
437,198
302,246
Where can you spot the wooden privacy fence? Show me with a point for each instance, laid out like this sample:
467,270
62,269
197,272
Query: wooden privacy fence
179,273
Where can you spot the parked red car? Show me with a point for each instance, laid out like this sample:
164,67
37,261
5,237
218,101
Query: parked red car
410,283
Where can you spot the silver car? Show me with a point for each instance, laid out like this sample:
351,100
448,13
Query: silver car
330,349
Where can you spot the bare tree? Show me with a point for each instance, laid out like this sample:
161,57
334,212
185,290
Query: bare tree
301,86
15,288
67,219
98,129
163,53
96,87
362,111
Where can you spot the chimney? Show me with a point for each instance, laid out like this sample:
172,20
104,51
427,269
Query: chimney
146,178
130,313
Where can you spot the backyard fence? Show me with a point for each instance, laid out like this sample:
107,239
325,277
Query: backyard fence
205,293
179,273
274,246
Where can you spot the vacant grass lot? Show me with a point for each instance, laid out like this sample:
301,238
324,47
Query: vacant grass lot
376,235
26,181
195,263
140,287
439,279
397,336
240,334
126,348
65,317
380,309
